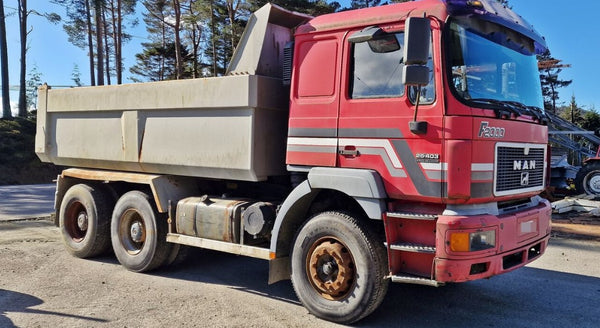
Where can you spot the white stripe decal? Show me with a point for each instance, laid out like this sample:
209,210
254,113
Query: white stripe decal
370,143
435,166
482,167
374,143
312,141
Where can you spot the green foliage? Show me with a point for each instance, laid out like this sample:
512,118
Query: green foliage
572,113
209,32
76,75
357,4
148,63
18,162
591,121
34,81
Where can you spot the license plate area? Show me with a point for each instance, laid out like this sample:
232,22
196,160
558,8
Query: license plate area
528,227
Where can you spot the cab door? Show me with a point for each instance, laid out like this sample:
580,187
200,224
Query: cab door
312,135
375,111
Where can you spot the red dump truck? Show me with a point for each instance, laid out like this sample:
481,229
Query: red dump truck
404,143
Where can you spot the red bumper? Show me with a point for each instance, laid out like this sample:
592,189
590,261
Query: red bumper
521,237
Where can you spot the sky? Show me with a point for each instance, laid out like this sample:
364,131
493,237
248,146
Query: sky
567,26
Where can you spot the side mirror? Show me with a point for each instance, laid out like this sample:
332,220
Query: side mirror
417,39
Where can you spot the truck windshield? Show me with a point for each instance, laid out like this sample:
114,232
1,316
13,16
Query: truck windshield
493,67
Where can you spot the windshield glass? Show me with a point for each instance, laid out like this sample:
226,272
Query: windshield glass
492,65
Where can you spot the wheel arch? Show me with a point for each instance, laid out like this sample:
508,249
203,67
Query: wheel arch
351,190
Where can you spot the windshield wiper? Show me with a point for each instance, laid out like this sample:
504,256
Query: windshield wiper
501,108
535,112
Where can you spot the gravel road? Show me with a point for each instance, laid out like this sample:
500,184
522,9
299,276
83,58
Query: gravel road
41,285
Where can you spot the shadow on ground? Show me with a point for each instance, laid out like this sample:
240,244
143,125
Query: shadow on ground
11,301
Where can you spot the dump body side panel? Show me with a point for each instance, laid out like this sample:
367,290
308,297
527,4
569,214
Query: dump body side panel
229,127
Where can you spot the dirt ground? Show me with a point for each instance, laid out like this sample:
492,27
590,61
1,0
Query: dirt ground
41,285
576,225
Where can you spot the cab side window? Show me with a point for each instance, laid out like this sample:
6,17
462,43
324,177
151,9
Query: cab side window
376,70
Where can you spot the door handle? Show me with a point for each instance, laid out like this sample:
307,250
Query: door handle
349,151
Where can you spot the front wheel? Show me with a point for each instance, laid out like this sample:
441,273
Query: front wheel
138,233
588,179
339,268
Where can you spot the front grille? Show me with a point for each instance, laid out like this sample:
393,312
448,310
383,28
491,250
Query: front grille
517,172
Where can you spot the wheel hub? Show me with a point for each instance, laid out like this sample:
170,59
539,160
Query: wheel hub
137,232
82,221
331,269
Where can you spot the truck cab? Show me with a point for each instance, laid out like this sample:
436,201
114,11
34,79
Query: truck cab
474,173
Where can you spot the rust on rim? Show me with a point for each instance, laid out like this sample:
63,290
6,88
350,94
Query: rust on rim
330,268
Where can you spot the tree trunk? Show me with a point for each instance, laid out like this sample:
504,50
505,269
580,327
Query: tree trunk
22,4
178,59
213,37
99,41
118,44
106,47
90,42
6,112
231,11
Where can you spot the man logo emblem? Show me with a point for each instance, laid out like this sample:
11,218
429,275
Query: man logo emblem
524,178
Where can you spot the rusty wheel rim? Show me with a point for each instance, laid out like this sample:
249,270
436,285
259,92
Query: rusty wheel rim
330,268
132,231
76,221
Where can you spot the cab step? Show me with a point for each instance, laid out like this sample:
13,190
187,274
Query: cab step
412,216
415,248
415,280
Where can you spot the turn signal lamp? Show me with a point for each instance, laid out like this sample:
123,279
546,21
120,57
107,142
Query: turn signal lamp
476,4
473,241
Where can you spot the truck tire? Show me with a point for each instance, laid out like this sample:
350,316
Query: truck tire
587,179
84,220
138,233
339,268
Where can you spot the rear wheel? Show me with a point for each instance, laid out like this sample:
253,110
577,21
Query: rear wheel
339,268
84,220
138,233
588,179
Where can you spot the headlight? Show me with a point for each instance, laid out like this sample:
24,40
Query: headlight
472,241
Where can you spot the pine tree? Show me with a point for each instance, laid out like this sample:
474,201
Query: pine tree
550,68
34,81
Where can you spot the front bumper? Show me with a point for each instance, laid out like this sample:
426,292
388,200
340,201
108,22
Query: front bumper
521,237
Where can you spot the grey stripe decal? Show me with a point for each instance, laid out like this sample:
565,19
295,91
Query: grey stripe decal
308,132
481,190
312,149
423,186
370,133
345,133
436,175
482,175
396,173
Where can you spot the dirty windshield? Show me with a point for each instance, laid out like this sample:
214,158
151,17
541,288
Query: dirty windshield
493,67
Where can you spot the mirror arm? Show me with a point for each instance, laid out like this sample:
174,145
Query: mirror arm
417,127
